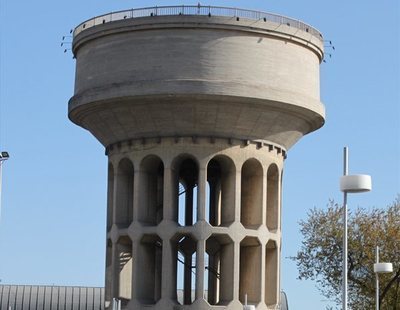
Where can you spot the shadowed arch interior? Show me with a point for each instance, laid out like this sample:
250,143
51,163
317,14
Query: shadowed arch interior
124,193
221,191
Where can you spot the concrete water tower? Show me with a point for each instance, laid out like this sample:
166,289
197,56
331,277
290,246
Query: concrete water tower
197,108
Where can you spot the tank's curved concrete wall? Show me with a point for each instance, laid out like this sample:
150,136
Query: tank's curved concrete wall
197,75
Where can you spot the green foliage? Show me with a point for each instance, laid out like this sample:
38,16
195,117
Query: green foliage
320,256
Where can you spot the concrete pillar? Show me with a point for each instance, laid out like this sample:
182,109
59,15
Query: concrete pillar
109,271
201,194
136,267
272,218
169,261
114,198
158,273
115,272
136,206
237,204
263,273
110,196
236,270
170,195
201,248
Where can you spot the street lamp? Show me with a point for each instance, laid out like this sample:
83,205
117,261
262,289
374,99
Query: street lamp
3,157
349,184
380,268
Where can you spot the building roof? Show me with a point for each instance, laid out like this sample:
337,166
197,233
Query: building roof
41,297
38,297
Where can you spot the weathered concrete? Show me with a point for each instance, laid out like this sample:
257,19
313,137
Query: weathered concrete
196,114
196,75
241,246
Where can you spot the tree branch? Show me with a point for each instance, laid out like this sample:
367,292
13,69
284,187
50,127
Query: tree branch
388,286
350,275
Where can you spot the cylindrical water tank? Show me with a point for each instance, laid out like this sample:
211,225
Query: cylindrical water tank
195,75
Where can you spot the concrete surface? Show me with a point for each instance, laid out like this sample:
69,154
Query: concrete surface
197,114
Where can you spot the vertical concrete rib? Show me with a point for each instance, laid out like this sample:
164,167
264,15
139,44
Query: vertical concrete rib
201,197
115,271
238,186
136,195
201,247
114,198
168,290
236,270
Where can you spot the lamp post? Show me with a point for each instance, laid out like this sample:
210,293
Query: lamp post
380,268
3,157
246,306
349,184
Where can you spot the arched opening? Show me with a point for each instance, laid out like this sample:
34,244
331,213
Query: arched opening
150,271
272,197
220,200
185,279
187,174
124,269
250,271
271,273
110,196
251,194
219,269
124,205
151,190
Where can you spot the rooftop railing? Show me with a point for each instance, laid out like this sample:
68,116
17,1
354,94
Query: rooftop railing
195,10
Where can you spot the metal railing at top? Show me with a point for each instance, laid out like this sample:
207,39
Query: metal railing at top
195,10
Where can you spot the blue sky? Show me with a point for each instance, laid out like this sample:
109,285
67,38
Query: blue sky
52,229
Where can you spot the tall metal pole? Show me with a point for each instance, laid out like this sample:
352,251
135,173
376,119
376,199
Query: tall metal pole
344,280
377,280
3,157
1,164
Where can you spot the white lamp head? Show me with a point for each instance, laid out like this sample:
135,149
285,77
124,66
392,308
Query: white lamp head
383,268
4,156
355,183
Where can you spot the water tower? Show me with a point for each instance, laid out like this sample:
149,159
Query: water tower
196,108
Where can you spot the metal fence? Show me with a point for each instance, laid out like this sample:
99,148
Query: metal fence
195,10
